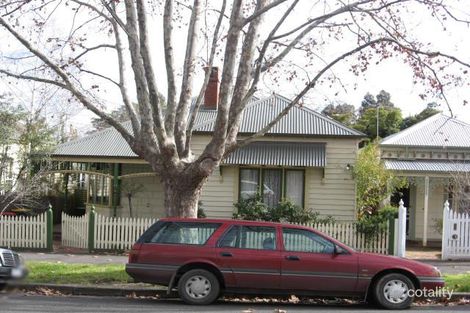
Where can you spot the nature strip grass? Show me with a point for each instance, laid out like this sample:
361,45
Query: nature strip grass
79,274
458,282
93,274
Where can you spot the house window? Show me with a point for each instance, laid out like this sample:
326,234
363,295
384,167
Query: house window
295,186
249,183
272,187
98,190
273,184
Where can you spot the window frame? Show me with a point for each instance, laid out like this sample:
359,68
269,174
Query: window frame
283,180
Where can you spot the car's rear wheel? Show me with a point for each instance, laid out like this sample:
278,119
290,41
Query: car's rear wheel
198,286
392,291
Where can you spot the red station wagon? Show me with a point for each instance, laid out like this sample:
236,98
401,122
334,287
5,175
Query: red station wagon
204,258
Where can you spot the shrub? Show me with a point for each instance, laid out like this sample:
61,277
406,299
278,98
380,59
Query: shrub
373,224
286,211
200,210
374,182
252,209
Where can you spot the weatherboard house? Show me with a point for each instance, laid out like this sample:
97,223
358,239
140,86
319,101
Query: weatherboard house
435,157
306,157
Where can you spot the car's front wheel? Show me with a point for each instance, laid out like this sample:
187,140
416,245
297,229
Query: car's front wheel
393,291
198,286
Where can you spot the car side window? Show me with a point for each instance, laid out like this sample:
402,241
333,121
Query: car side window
185,233
249,237
301,240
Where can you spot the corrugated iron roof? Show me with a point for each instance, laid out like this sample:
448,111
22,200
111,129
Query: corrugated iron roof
280,154
104,143
436,131
299,121
426,166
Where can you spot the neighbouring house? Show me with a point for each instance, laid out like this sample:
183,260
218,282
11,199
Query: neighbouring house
435,157
306,157
9,166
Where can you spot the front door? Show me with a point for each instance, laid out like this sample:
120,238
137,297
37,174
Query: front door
309,263
250,257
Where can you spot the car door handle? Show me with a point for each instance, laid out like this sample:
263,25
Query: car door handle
226,254
292,258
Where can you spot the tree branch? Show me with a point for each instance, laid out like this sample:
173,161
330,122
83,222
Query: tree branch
68,84
170,67
200,97
234,146
149,72
86,50
122,79
181,119
33,78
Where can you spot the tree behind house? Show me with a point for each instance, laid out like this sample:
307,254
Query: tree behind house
374,183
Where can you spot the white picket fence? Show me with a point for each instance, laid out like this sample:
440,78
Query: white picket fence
455,234
119,233
23,231
75,231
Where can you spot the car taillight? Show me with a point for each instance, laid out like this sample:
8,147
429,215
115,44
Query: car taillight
134,253
133,256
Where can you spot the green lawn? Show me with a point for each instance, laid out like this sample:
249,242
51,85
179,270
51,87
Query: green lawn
80,274
92,274
458,282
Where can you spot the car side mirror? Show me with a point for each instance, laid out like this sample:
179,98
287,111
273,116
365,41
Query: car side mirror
339,250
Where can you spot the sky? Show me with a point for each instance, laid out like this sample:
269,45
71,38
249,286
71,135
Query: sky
390,75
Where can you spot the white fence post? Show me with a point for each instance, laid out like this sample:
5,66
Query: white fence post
401,238
445,231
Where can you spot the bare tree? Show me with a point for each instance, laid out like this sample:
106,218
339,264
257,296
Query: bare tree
459,190
248,38
130,189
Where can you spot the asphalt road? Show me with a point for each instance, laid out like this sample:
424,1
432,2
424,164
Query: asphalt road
52,304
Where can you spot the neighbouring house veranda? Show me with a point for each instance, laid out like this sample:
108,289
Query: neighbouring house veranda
435,157
306,157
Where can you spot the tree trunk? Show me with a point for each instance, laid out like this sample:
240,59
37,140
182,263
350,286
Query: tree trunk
182,197
129,197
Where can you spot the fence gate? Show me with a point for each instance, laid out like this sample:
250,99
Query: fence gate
75,231
455,234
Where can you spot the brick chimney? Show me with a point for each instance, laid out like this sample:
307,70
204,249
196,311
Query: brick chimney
211,96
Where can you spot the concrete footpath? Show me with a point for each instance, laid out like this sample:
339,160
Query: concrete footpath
75,257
